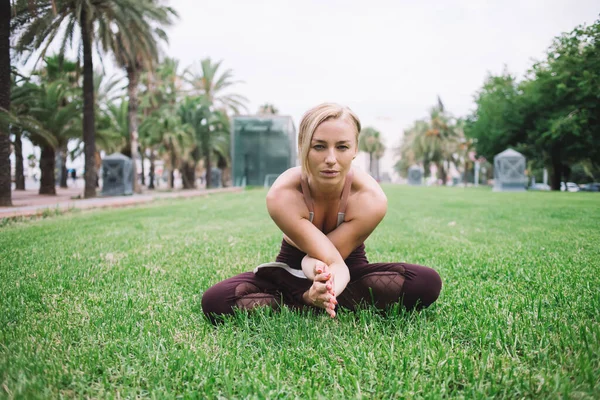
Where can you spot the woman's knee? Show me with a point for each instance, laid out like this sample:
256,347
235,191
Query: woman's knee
434,287
422,288
222,298
214,302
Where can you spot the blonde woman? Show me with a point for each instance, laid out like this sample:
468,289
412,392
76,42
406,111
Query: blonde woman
326,210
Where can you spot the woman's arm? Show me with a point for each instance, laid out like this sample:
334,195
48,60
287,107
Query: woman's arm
368,210
287,209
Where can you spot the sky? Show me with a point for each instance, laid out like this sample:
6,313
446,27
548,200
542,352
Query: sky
387,60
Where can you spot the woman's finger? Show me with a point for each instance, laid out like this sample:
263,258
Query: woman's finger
321,287
323,277
321,267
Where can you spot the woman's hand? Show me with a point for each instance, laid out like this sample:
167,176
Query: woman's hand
321,294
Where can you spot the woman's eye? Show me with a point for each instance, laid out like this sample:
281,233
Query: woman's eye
343,147
318,147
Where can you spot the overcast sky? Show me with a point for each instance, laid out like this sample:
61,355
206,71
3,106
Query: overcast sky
387,60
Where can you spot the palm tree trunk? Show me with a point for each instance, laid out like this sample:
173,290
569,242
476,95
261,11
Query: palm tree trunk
142,172
441,172
47,164
89,133
151,173
371,164
64,174
426,167
19,175
207,166
188,175
172,172
5,183
132,89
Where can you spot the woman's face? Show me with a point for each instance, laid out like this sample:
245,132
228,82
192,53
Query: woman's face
332,149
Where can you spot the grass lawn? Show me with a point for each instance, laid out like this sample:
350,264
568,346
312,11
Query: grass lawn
106,303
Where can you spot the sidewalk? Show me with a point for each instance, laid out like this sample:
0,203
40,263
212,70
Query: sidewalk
30,203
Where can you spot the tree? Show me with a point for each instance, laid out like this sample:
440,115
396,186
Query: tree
267,109
40,22
58,117
370,141
138,55
5,82
430,140
116,127
411,151
164,132
498,121
553,115
561,101
214,103
207,81
23,95
58,68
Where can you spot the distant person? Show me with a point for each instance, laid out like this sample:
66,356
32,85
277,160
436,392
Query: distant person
326,209
74,176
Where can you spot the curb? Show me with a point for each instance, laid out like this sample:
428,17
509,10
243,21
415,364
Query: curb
107,202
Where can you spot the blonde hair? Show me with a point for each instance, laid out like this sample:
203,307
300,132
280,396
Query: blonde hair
315,117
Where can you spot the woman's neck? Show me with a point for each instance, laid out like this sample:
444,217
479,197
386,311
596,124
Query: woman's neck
326,192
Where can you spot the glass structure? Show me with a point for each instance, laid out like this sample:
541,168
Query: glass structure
509,171
117,175
262,147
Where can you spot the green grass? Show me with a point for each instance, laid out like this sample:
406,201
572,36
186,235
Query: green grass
105,303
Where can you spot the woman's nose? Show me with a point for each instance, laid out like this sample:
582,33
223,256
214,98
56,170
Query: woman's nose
330,159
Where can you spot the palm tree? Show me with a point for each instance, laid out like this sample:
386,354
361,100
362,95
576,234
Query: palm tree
207,81
268,109
212,131
59,118
163,132
161,86
56,68
135,56
23,95
161,91
99,21
5,82
107,91
431,140
116,127
370,141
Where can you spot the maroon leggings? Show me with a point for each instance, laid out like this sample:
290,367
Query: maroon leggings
380,285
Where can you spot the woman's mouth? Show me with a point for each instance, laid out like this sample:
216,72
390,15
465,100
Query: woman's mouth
329,173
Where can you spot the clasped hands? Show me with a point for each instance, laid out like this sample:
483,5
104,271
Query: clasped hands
322,294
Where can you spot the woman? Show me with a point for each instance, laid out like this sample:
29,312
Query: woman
326,210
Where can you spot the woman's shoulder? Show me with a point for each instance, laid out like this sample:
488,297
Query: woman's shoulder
366,193
286,186
284,198
363,184
288,180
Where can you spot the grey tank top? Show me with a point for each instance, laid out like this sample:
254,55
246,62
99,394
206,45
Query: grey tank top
343,203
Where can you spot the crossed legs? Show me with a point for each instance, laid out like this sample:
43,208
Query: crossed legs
380,285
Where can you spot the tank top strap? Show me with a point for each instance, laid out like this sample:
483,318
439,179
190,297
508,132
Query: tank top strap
346,192
307,197
344,200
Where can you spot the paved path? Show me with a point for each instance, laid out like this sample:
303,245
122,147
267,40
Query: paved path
30,203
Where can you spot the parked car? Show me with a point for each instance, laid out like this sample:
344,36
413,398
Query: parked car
591,187
539,186
569,187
